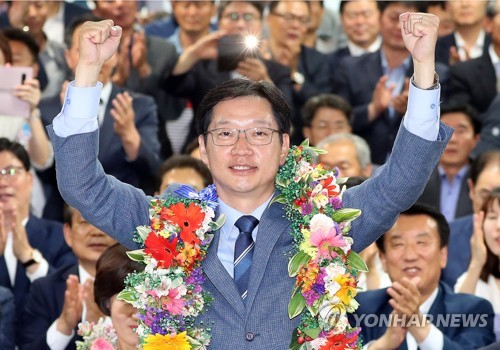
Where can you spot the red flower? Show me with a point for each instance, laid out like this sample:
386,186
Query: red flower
337,342
163,250
330,186
187,219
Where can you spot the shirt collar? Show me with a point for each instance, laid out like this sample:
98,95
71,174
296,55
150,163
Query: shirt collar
385,65
232,215
106,93
356,50
460,174
426,305
478,44
176,40
84,275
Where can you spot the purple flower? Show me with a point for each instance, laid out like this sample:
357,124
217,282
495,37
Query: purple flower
335,202
310,296
307,208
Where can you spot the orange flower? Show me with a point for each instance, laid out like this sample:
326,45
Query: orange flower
161,249
188,255
187,219
347,289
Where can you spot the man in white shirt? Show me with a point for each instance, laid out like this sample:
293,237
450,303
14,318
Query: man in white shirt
58,302
420,311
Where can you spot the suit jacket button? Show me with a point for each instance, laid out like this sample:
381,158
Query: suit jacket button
249,336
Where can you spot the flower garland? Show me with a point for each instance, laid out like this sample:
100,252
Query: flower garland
96,336
169,295
325,267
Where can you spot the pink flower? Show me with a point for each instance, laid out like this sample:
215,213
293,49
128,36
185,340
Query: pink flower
101,344
172,302
324,240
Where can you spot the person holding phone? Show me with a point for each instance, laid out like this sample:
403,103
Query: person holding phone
197,71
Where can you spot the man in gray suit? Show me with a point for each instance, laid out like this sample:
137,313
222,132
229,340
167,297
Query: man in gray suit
244,169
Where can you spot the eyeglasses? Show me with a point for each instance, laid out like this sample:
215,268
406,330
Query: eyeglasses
11,173
355,14
289,18
339,125
235,16
254,136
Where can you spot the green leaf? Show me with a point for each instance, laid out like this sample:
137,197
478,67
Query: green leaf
341,180
297,262
356,261
296,305
143,232
312,332
314,308
279,199
127,296
346,215
218,224
305,143
136,255
318,151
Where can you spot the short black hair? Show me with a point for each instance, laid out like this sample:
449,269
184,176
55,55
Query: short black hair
455,106
185,161
259,6
482,162
111,269
5,49
383,5
425,209
15,34
74,25
235,88
17,150
325,100
343,4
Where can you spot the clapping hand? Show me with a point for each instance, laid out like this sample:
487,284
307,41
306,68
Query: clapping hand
72,307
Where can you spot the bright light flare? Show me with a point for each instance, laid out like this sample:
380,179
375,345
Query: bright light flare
251,42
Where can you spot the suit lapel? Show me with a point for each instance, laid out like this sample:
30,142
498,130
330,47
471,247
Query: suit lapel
221,280
487,71
272,225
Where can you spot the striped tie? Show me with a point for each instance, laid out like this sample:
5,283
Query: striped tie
243,253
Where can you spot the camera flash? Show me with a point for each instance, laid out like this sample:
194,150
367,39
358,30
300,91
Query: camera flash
251,42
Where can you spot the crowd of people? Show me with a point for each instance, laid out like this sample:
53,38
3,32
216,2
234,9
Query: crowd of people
347,77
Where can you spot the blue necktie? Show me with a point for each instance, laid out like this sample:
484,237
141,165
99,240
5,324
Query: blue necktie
243,253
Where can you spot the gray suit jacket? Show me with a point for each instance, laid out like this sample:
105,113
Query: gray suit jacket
264,324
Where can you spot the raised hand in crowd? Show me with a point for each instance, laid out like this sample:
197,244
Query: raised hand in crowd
204,49
72,307
124,116
93,313
17,12
254,69
478,256
381,98
400,102
132,54
455,57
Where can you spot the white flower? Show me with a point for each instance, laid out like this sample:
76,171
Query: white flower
331,287
317,343
321,222
333,270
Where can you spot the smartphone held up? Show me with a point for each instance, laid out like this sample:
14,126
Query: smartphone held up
234,48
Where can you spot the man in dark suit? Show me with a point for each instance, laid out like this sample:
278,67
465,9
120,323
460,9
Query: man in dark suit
56,302
288,24
361,23
484,175
413,252
128,134
143,61
244,171
469,40
380,100
464,83
447,189
197,71
31,247
7,319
